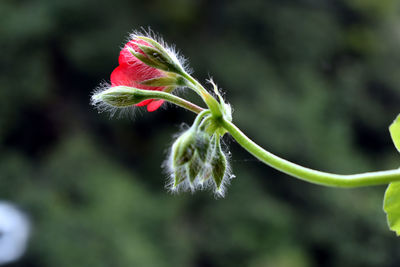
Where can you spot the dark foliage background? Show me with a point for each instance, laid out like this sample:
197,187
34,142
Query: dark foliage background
314,81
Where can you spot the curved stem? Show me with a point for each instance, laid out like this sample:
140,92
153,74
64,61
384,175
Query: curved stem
173,99
211,102
307,174
199,118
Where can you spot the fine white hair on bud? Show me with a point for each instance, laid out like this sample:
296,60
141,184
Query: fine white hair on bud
171,49
226,108
196,161
98,102
218,159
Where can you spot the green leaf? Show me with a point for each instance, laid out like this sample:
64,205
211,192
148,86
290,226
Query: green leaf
391,202
395,132
391,205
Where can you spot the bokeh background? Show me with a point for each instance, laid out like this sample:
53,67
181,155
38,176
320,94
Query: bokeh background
314,81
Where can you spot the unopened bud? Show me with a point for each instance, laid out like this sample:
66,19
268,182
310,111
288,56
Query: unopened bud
120,96
218,165
198,161
183,148
156,56
188,156
182,152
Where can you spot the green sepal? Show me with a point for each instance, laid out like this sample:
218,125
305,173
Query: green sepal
202,145
143,58
180,175
206,174
121,96
395,132
183,149
194,167
172,64
161,81
161,59
391,206
218,165
152,42
153,53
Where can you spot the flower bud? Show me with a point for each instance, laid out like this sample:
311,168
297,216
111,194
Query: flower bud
155,55
143,63
195,158
188,157
218,166
120,96
197,164
183,148
154,58
182,152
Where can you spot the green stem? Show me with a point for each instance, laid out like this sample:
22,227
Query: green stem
310,175
173,99
211,102
199,118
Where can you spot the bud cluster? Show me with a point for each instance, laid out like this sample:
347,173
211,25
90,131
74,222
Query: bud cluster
197,161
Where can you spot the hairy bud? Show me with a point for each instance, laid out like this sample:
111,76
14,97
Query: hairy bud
155,55
197,161
120,96
186,157
218,165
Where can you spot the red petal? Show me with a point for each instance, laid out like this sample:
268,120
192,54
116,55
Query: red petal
126,57
153,106
133,75
138,70
131,72
144,102
121,77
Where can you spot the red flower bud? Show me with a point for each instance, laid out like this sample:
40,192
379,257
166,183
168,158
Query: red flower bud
132,72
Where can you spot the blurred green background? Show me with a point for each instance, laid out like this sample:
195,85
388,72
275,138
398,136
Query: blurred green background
314,81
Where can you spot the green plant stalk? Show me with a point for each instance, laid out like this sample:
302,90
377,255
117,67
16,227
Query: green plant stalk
173,99
307,174
211,102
